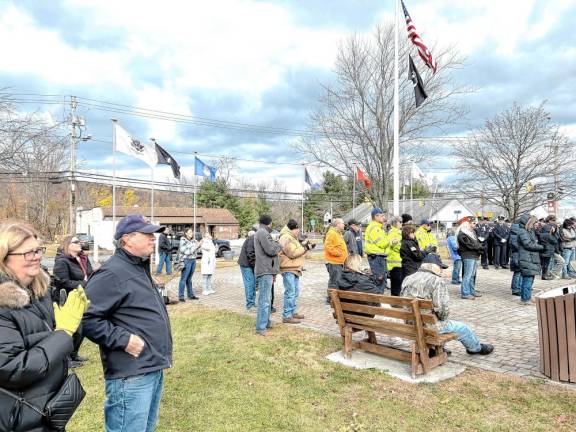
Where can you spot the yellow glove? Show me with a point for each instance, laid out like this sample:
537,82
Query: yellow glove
68,317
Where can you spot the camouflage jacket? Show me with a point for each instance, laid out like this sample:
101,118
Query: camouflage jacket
428,284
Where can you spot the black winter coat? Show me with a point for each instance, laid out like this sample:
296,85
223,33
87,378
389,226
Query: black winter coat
549,241
68,274
528,249
164,245
411,256
513,242
247,256
468,248
123,301
358,282
33,357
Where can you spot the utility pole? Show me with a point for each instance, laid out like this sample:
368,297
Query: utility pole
74,121
75,136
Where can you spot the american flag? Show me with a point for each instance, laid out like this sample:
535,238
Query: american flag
423,50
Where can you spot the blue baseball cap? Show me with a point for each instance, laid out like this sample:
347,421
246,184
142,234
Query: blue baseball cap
433,258
136,223
376,211
425,222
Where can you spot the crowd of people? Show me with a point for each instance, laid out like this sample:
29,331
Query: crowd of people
119,307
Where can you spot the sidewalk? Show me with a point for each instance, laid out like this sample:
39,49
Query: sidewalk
497,317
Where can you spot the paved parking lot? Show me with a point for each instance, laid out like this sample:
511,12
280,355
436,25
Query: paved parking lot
497,317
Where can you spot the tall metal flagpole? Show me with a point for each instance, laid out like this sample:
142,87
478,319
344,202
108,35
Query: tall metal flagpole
152,196
114,122
195,187
303,186
354,191
411,194
396,158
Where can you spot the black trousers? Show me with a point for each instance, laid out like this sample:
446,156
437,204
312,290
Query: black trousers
484,255
396,278
500,258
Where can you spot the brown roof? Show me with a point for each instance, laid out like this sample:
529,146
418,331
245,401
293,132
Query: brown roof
178,215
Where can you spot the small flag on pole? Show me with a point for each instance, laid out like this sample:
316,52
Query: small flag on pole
127,144
423,50
204,170
360,176
164,158
419,91
309,181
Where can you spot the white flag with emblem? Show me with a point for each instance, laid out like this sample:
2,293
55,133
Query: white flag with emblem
129,145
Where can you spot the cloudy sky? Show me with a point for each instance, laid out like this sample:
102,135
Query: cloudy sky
261,63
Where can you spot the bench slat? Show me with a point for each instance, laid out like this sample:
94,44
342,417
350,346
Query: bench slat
409,329
427,318
380,298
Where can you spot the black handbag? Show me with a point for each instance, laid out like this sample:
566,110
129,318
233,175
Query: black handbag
60,408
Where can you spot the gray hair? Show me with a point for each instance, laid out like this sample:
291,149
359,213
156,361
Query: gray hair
337,221
395,220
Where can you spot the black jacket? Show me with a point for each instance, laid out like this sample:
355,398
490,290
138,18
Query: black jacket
358,282
500,232
528,249
68,273
247,256
548,240
482,232
32,356
513,242
468,248
164,245
411,256
124,301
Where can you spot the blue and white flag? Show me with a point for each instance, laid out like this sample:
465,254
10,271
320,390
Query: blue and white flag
204,170
309,181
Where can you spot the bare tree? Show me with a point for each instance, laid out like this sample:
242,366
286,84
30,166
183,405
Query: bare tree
517,160
355,120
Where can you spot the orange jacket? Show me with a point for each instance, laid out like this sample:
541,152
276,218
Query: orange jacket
335,251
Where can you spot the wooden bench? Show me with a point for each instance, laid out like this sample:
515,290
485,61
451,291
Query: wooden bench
417,327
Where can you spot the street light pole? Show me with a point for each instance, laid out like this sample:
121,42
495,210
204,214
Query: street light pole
73,142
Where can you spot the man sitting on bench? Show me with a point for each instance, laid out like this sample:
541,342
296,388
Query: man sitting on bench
427,283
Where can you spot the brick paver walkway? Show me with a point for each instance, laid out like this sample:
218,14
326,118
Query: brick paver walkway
497,317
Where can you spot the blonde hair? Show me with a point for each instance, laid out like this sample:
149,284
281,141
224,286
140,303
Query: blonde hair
354,262
12,234
65,243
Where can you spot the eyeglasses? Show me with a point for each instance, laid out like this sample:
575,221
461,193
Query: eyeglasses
30,255
75,242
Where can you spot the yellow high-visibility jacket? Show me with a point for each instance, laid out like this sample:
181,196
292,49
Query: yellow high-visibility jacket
425,238
375,239
394,259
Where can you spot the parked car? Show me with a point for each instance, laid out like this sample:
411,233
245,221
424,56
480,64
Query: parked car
86,240
221,245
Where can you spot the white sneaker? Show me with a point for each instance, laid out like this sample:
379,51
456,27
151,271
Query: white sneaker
206,293
211,292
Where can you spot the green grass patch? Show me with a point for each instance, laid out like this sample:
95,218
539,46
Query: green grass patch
225,378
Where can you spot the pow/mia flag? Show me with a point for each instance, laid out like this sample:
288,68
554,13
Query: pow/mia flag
127,144
164,158
419,91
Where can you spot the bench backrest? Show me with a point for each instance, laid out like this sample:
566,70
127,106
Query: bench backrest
417,315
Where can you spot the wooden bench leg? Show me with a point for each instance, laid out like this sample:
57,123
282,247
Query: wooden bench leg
371,337
415,361
348,342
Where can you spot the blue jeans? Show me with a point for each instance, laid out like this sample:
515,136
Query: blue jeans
132,403
379,270
164,258
456,271
526,288
264,303
249,286
469,279
186,278
567,254
291,293
516,282
465,334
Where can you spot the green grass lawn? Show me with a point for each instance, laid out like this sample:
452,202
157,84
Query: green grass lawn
225,378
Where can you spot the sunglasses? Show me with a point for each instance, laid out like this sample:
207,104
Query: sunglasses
75,242
30,255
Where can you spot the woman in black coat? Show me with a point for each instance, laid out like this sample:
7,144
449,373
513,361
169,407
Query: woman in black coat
528,255
72,269
549,240
34,341
354,279
410,252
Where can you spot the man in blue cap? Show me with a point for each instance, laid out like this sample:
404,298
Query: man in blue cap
128,320
376,243
426,239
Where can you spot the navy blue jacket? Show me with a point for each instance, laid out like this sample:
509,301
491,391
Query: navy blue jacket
513,242
124,301
528,249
